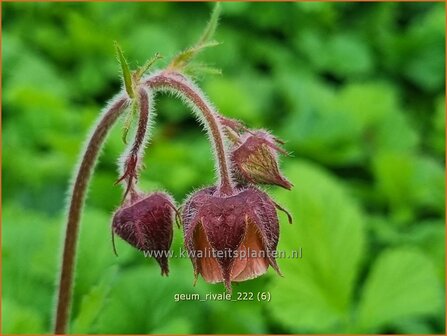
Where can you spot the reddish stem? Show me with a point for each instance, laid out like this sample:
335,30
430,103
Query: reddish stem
178,83
76,204
132,162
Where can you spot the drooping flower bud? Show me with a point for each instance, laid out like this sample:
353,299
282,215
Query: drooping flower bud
147,224
255,159
230,238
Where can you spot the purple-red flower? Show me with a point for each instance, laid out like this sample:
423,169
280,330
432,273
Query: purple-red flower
231,238
147,224
255,159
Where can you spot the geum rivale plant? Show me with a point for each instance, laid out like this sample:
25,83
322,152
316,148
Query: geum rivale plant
220,221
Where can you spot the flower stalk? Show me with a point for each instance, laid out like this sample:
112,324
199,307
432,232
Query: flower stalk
179,84
132,160
78,193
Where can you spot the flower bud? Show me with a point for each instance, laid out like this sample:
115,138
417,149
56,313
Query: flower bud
230,238
255,159
147,224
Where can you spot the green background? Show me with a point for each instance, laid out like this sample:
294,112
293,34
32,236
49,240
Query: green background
356,90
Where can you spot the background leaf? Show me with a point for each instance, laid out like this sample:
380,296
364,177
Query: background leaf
93,303
316,291
402,283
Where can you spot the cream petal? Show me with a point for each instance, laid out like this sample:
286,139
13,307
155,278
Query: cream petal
207,265
239,264
256,262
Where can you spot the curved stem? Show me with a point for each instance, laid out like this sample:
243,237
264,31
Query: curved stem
111,114
173,81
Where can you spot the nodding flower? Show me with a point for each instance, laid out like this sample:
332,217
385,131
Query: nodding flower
146,223
231,238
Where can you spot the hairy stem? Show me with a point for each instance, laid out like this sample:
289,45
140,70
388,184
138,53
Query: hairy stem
143,121
76,204
176,82
132,162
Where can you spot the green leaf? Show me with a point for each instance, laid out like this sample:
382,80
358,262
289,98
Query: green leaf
316,291
410,182
211,26
401,284
127,77
179,325
185,57
92,303
199,70
141,301
180,61
427,235
147,65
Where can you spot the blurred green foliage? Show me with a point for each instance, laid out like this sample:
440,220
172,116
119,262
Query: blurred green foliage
356,90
